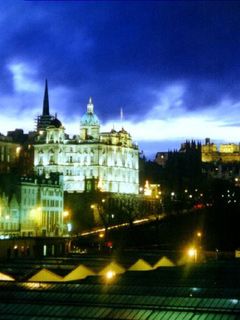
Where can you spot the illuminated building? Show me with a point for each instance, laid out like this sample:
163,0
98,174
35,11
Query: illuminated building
225,153
107,161
39,212
9,216
9,153
151,190
41,206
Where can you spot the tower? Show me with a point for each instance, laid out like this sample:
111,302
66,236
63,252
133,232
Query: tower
44,120
90,124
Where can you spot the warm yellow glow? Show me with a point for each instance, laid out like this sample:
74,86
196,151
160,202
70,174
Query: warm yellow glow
103,200
34,285
199,234
192,252
147,189
65,214
5,277
92,206
140,221
110,274
100,185
36,215
7,217
15,247
32,213
18,150
101,235
117,226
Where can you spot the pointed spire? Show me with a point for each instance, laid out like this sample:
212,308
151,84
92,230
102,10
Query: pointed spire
121,114
90,106
46,101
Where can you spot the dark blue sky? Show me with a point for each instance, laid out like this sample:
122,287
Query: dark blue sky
173,66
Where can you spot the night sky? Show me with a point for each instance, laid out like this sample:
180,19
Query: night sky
172,66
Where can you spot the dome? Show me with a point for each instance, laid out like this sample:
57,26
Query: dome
89,119
56,123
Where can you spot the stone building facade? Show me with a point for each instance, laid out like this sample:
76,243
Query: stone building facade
36,209
108,161
9,216
226,153
42,206
9,153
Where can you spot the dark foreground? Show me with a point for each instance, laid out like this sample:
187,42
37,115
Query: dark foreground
193,291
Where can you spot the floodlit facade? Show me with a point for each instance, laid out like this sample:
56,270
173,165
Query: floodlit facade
106,161
41,206
9,216
36,209
229,152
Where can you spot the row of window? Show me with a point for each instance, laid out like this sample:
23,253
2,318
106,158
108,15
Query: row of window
8,226
46,191
51,203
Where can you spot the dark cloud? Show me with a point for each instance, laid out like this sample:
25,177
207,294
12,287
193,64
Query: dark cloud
122,52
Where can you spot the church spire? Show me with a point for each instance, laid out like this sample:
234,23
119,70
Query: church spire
46,101
90,106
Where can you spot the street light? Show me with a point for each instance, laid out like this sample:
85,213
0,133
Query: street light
192,253
110,275
101,235
65,214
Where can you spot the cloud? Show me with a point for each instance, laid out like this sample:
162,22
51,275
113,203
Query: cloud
169,120
173,68
23,77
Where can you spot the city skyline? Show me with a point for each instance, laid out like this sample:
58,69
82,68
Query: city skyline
172,67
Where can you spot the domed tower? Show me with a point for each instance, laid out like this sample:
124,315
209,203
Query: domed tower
89,124
55,132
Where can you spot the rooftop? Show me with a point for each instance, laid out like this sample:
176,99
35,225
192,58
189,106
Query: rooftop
190,292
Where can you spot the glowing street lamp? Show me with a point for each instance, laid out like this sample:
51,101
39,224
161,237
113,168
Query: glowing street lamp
101,235
110,275
18,150
192,253
65,214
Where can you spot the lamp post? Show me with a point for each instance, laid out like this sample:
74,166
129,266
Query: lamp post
199,239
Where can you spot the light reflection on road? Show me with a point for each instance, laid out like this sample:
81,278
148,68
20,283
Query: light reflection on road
117,226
